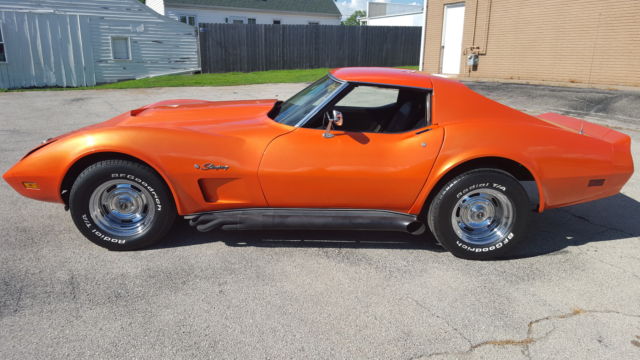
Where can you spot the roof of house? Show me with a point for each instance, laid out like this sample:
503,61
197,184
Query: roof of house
308,6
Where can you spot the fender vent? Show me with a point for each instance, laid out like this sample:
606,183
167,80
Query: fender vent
596,182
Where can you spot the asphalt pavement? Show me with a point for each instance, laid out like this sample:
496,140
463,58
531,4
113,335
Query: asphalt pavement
573,292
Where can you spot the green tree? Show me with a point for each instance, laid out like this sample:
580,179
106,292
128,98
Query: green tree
354,19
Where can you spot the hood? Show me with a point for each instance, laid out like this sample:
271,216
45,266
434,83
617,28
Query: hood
189,114
198,113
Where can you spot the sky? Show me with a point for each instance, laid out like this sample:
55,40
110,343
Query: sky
347,7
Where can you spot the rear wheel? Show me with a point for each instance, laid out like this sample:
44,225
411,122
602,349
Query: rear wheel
481,214
121,205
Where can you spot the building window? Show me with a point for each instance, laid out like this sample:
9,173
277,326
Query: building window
276,22
121,48
3,57
251,21
188,19
236,20
314,23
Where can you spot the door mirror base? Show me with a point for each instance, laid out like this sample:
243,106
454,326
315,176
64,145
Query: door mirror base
337,119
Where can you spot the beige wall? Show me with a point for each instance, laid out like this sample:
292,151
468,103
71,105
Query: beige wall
575,41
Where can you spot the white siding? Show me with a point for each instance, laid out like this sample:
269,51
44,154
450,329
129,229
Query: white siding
384,9
217,16
397,20
46,50
156,49
159,45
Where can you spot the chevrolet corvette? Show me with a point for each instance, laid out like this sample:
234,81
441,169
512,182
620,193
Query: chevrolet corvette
359,149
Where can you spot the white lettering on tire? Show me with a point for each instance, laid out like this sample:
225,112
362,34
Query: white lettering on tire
501,187
481,185
487,248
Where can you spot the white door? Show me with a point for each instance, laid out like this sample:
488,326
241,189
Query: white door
452,38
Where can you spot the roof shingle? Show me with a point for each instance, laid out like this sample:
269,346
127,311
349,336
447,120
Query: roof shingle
309,6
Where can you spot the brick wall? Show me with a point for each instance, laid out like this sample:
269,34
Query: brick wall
577,41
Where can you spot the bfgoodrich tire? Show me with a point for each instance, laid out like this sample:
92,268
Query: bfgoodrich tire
121,205
480,215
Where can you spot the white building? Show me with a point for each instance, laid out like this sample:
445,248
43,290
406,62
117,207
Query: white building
71,43
392,14
285,12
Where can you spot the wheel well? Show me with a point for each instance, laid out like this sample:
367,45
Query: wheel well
514,168
85,162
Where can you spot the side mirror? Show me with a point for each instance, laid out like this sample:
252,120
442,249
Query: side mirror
336,119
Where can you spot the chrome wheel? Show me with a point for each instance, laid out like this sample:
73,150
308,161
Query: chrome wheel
483,217
122,208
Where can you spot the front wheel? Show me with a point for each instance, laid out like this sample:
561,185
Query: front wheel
481,214
121,205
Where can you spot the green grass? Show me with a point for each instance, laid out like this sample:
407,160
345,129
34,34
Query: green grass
225,79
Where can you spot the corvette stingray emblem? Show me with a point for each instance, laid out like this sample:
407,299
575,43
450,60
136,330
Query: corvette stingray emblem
211,166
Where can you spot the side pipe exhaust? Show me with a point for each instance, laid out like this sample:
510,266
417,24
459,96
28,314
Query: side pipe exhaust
311,219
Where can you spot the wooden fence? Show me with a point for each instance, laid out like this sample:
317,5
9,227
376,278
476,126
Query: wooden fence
240,47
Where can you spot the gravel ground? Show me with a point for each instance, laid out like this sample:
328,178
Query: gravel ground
572,293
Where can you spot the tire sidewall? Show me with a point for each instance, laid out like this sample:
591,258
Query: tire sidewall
477,180
100,173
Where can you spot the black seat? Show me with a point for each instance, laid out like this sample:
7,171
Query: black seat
403,119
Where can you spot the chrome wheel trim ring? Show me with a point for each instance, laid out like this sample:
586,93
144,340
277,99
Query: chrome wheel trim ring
483,217
122,208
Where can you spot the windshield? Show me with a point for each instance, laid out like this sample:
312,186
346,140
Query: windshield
298,106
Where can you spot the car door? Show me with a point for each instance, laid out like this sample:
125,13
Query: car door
350,170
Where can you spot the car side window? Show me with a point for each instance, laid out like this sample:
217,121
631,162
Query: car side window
377,109
369,97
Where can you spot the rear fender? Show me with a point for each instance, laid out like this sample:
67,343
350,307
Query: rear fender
443,170
465,142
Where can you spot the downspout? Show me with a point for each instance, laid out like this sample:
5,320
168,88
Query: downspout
423,37
473,40
486,30
475,49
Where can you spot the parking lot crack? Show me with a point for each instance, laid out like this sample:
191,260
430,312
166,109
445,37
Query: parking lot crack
598,259
455,329
530,339
16,308
606,227
626,271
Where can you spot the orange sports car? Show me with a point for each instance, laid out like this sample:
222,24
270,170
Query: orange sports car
360,149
